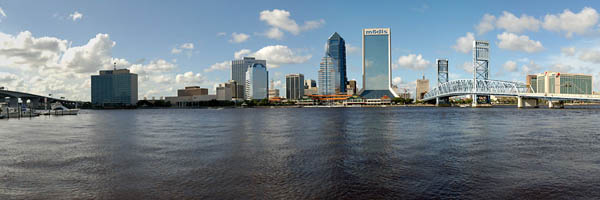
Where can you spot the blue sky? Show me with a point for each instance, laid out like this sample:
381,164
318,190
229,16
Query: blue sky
54,46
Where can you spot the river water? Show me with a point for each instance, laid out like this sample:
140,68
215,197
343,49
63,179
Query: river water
304,153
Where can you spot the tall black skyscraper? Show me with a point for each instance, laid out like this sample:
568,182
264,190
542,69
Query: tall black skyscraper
336,49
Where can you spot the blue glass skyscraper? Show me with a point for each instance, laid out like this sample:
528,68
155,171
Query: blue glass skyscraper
336,50
377,64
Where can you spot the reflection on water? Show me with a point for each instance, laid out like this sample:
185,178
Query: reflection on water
310,153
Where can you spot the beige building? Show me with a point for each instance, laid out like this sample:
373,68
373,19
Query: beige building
351,87
422,88
273,93
560,83
192,91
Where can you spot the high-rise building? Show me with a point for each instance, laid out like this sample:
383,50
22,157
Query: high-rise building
294,86
327,76
336,49
561,83
351,87
116,87
227,91
422,88
257,82
239,68
377,64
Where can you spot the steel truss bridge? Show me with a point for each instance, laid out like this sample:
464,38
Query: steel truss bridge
463,87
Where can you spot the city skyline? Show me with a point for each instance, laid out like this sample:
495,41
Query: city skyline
79,39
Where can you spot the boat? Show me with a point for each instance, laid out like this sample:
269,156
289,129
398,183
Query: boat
58,109
8,112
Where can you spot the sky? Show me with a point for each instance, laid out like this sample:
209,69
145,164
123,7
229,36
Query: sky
53,47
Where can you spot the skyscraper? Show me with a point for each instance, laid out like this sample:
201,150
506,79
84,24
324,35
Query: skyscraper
257,82
336,49
294,86
327,76
239,67
116,87
377,64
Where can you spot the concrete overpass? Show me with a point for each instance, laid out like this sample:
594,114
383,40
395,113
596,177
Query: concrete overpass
36,101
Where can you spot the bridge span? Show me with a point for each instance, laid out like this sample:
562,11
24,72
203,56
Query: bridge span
526,98
36,101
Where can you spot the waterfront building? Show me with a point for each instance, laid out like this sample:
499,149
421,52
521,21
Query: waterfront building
327,76
192,91
238,71
422,88
116,87
273,93
311,91
336,49
561,83
309,83
294,86
351,87
226,91
377,63
257,82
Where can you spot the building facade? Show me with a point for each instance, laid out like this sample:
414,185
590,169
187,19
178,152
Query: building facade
327,76
351,87
309,83
422,88
377,64
294,86
561,83
239,68
192,91
116,87
226,91
336,49
257,82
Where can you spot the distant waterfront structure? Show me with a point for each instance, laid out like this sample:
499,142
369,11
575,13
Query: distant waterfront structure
192,91
377,64
257,82
294,86
273,93
336,49
226,91
561,83
327,76
422,88
239,68
351,87
116,87
481,59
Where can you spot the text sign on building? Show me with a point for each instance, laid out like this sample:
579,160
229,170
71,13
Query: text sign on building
376,31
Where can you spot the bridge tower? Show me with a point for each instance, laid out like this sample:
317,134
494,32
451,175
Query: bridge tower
481,59
442,66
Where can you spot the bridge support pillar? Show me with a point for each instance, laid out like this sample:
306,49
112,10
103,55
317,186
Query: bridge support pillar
559,104
442,102
474,103
527,102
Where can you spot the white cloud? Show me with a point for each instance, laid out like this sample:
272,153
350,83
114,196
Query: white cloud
486,24
274,33
351,48
275,55
592,56
88,58
464,44
531,67
76,16
221,34
181,48
515,42
570,22
413,61
280,20
468,67
510,66
190,78
225,65
239,37
241,53
568,51
397,80
514,24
